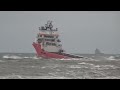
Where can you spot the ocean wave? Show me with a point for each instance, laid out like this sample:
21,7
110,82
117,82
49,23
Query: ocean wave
68,75
111,58
78,59
93,66
11,57
103,67
69,59
14,57
77,66
14,76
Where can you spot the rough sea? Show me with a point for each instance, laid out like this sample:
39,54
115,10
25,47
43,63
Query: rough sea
28,66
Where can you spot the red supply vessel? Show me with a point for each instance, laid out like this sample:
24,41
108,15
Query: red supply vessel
48,44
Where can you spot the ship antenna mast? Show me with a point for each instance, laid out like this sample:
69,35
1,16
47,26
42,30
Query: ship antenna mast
49,25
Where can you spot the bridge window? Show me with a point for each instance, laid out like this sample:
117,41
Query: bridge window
50,40
47,36
51,44
39,40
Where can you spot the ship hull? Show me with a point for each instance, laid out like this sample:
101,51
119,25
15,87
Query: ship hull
44,54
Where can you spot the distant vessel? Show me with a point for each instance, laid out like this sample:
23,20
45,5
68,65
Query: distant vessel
98,52
47,43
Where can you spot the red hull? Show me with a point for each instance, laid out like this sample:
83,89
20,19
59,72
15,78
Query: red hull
41,53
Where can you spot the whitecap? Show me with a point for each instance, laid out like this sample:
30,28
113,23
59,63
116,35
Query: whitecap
26,57
35,57
12,57
84,63
103,67
111,58
77,66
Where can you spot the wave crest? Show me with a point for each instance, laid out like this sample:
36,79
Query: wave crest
14,57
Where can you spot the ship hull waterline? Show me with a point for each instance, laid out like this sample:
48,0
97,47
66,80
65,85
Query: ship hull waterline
41,53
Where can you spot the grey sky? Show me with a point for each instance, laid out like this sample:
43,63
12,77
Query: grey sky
80,31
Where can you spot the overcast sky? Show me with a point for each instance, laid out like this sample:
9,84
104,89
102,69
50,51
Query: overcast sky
80,31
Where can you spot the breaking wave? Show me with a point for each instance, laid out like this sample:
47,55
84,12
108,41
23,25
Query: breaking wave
14,57
111,58
93,66
82,59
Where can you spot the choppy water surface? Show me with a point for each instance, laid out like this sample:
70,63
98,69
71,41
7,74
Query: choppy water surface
27,66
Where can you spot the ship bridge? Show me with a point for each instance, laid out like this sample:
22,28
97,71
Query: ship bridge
48,29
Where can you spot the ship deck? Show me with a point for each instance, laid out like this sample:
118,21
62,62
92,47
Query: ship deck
68,55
